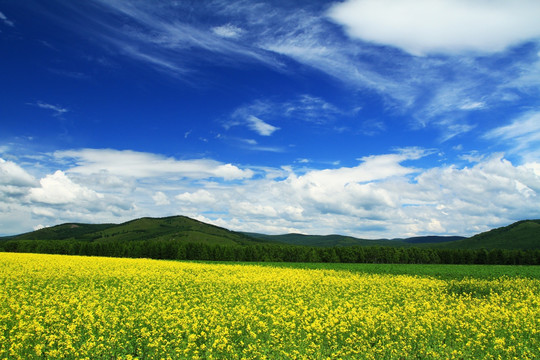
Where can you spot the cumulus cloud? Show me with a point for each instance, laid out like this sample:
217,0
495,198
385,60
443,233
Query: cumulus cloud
129,163
57,188
161,199
440,26
199,197
387,195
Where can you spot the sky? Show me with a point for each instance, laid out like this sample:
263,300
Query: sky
369,118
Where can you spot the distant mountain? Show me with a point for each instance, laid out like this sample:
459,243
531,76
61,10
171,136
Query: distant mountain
522,235
324,240
340,240
174,227
431,239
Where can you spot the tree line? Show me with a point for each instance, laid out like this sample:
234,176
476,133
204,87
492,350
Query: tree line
179,250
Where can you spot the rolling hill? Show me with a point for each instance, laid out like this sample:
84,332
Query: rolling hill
175,227
522,235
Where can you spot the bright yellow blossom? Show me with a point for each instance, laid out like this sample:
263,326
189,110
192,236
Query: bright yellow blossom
54,306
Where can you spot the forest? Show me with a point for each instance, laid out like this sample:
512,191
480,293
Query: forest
174,249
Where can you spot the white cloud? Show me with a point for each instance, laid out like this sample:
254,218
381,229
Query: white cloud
227,31
129,163
57,188
384,195
260,127
199,197
12,174
43,212
160,198
440,26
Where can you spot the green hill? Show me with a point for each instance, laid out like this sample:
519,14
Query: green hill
64,232
182,238
521,235
169,228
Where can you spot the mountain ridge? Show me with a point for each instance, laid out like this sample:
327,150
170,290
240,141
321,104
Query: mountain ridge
524,234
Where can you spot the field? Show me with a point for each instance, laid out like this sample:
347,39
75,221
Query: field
70,307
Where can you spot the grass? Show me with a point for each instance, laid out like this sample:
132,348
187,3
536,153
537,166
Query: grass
439,271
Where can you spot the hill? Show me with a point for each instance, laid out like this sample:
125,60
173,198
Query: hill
180,228
182,238
521,235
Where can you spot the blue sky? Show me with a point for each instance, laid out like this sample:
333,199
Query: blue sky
371,118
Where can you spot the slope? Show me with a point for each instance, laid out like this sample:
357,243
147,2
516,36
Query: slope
180,228
521,235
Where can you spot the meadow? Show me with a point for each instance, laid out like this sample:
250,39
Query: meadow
71,307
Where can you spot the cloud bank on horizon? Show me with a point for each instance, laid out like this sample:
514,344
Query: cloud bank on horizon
371,118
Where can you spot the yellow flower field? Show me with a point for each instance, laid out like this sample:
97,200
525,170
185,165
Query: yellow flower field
54,306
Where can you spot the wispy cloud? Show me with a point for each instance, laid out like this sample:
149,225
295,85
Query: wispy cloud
372,127
56,109
312,109
5,20
70,74
308,108
252,145
431,89
524,129
473,105
522,134
154,36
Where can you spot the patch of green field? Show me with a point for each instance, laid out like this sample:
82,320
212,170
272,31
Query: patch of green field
440,271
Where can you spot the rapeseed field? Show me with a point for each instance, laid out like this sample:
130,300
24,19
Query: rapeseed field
69,307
